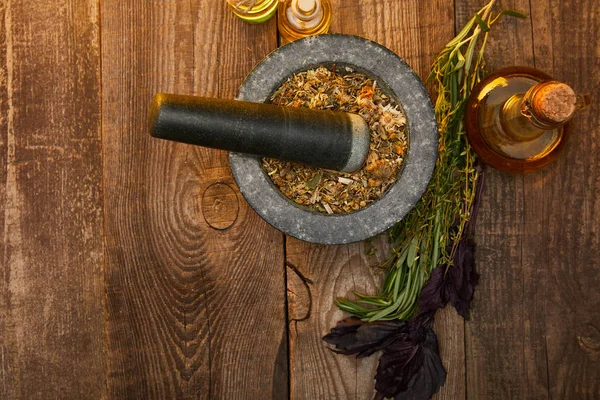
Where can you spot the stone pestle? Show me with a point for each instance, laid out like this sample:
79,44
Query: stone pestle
326,139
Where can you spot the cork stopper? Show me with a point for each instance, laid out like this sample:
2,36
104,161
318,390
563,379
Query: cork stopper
307,7
552,102
306,12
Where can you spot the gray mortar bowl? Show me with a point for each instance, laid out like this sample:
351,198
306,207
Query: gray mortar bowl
396,79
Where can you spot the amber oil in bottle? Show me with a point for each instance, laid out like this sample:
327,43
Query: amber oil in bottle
517,118
301,18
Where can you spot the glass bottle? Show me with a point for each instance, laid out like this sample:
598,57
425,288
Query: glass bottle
517,118
254,12
301,18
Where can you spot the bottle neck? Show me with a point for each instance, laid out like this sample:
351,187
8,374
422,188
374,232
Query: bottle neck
545,106
516,125
305,15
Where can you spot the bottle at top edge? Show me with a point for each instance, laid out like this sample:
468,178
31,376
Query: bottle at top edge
301,18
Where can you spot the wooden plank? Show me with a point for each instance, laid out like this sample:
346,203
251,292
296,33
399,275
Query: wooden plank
416,31
7,387
505,345
566,46
315,372
52,284
519,343
450,330
196,298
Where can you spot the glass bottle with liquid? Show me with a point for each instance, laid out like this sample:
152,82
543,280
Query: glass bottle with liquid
301,18
517,119
254,12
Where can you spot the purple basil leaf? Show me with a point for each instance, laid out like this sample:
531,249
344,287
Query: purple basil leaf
417,326
397,366
410,365
352,336
432,294
431,375
462,278
411,368
458,285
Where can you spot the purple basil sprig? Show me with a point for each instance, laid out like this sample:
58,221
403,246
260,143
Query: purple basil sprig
409,367
454,284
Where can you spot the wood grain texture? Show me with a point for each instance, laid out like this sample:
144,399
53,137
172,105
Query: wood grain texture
220,206
505,345
416,31
194,312
194,287
51,281
450,330
9,359
566,46
535,301
316,372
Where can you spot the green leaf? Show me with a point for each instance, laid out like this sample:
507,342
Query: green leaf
363,296
348,306
461,61
461,34
371,251
484,26
314,181
469,58
436,241
405,313
412,252
511,13
402,258
377,303
389,281
430,77
386,311
396,288
406,293
454,89
514,13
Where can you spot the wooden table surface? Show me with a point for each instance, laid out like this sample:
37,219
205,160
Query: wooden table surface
119,281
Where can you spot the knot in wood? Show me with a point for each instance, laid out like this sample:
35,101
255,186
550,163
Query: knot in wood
220,206
589,341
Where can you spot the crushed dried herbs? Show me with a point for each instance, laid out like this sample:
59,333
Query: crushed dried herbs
334,192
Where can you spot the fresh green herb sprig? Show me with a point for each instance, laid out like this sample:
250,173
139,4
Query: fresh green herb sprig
429,235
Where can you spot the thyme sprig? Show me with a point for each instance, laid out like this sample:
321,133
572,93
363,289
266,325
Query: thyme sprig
430,234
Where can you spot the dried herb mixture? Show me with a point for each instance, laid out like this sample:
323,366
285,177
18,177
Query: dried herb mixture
339,192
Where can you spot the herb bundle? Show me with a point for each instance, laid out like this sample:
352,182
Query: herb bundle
432,259
430,234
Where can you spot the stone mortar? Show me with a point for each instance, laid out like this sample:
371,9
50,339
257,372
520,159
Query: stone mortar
396,78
